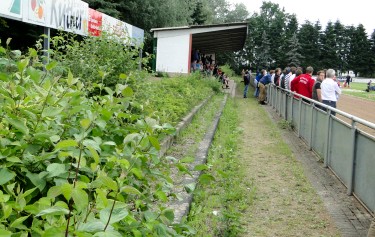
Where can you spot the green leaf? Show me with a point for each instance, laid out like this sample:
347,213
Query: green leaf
8,41
18,222
6,176
117,215
154,142
136,233
161,195
150,216
54,191
106,182
91,143
54,138
94,154
66,190
200,167
5,233
189,187
51,112
108,234
85,123
206,178
14,159
71,80
132,137
127,92
53,211
51,65
93,226
130,190
56,169
27,193
66,143
80,198
122,76
54,232
137,173
188,159
36,180
19,125
169,214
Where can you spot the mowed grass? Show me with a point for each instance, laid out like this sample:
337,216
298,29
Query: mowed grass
357,89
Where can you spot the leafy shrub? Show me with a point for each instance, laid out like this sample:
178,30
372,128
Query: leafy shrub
99,60
228,70
78,165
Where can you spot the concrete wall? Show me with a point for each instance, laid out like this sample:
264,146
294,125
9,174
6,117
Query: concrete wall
172,53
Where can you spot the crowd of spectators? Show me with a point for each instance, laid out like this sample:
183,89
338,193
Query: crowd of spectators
325,88
202,63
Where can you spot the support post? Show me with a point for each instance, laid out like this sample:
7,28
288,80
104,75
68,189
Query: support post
353,158
46,44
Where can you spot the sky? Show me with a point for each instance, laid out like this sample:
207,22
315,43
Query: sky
348,12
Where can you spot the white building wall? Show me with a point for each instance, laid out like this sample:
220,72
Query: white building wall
172,53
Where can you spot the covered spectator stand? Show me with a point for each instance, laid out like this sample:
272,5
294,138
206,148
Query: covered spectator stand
173,46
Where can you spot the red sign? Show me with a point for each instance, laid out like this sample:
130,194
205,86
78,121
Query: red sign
95,22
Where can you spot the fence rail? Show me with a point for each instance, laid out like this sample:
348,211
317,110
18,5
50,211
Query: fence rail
348,150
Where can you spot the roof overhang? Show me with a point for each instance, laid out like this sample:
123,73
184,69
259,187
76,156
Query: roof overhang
210,38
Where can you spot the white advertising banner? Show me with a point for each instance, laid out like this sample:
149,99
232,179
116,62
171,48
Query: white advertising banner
35,11
116,27
11,9
68,15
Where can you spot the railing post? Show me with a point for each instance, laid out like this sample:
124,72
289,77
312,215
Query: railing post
280,102
328,138
300,117
291,107
285,95
311,127
353,156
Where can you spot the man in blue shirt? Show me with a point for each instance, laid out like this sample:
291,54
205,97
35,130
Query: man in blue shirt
265,80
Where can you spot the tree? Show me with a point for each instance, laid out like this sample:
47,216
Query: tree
309,37
360,51
238,14
372,54
342,43
329,48
109,7
263,52
200,15
293,56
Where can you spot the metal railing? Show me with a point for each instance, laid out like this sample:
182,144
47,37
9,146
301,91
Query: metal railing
347,149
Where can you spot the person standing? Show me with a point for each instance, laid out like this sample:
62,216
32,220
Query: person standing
256,81
330,90
262,88
246,80
303,84
348,80
317,93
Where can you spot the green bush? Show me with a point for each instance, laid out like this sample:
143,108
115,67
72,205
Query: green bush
74,164
228,71
99,60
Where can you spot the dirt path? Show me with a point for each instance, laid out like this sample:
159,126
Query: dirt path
285,202
358,107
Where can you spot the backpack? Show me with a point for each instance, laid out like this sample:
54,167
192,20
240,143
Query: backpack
282,83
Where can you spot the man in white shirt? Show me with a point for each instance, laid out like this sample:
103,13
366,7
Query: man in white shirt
291,78
330,91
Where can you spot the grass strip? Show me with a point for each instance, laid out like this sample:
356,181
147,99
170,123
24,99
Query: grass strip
217,205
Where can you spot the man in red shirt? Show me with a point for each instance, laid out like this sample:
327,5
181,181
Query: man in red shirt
303,84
